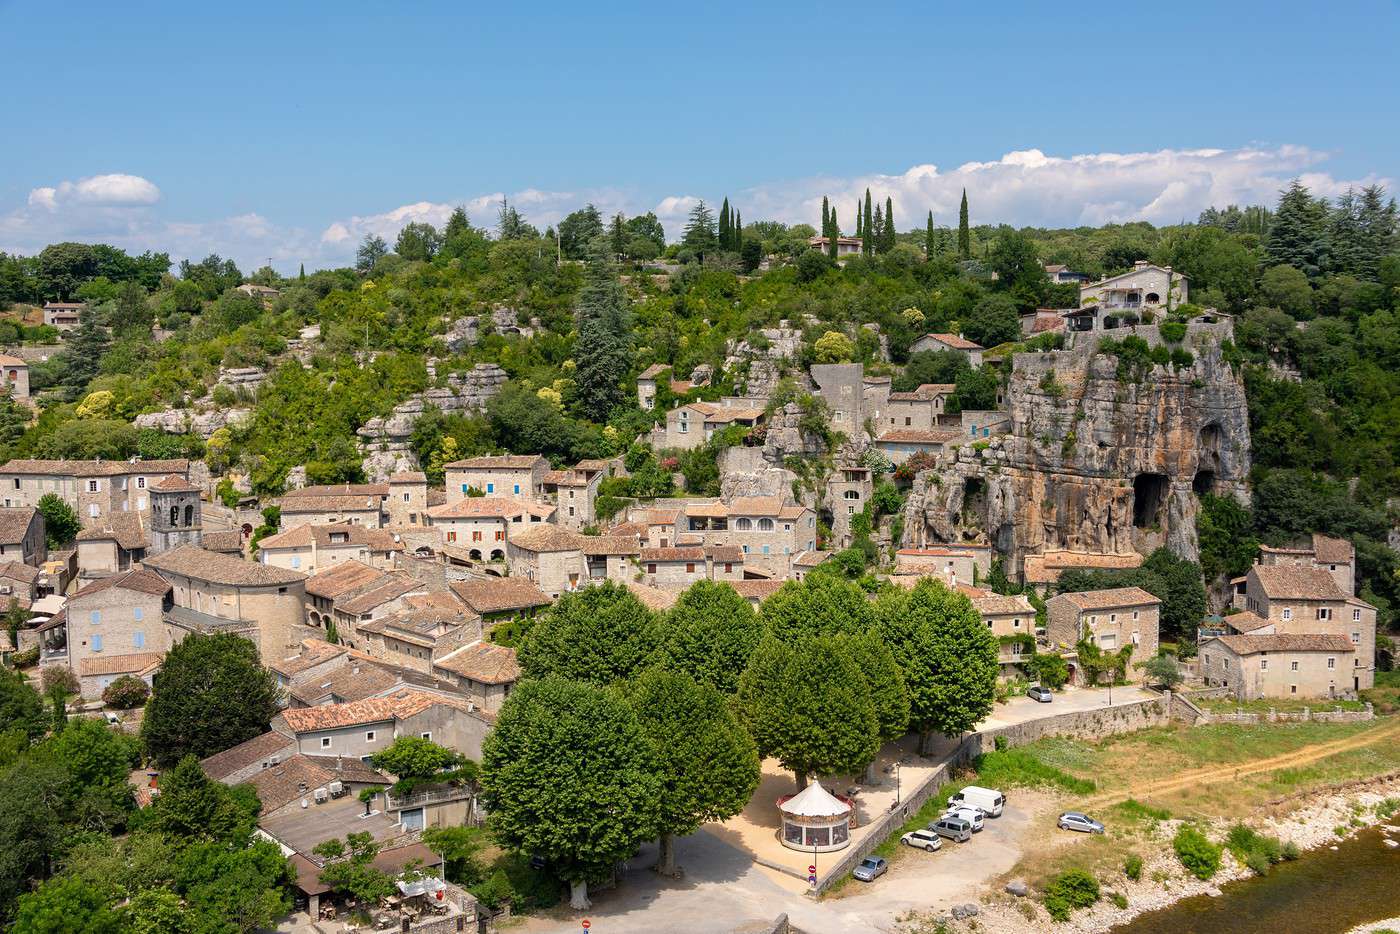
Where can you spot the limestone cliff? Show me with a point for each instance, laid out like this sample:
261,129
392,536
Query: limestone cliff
1094,463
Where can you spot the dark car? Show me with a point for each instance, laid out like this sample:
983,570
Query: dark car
1041,694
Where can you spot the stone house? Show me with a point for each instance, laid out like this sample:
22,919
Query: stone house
900,444
805,561
919,409
314,660
358,729
1113,619
215,592
356,503
677,567
14,373
1335,555
938,343
1300,600
610,557
691,425
494,600
848,489
573,494
767,530
325,587
407,501
663,524
1009,616
756,591
846,247
22,535
519,475
412,638
550,557
18,582
1040,571
63,315
264,292
1280,665
113,545
1145,287
95,489
483,671
646,385
951,565
1060,274
842,387
385,595
480,526
314,548
242,762
116,626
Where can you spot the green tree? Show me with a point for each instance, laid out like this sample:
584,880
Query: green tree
832,246
568,774
234,890
577,232
192,806
964,234
459,848
617,235
418,242
58,684
350,869
930,245
599,634
889,238
372,250
886,682
833,347
994,320
1019,271
807,704
210,695
710,634
414,757
868,229
602,353
699,232
947,654
66,906
826,217
818,605
1163,670
725,224
1288,289
708,765
1298,231
99,761
21,708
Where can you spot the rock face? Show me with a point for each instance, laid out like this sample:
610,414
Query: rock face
190,421
1093,463
764,355
385,440
249,376
748,472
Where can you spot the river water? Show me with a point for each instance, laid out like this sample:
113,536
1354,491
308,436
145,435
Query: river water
1324,892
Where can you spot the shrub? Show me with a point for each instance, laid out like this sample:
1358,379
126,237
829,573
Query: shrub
25,658
1000,743
1070,890
1021,767
126,692
495,891
1255,850
1200,857
1173,331
1135,809
1132,867
1119,899
1050,670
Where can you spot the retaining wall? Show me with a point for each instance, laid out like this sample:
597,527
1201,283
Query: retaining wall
1293,716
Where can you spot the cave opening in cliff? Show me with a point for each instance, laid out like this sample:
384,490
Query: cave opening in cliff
1149,497
974,506
1203,482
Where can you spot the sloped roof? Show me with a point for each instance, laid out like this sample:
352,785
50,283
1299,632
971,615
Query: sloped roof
490,507
810,559
18,570
1294,582
229,540
611,545
814,801
338,489
956,341
345,503
173,483
1108,599
1286,642
498,594
139,580
1246,622
222,764
127,529
653,598
15,522
498,462
137,663
94,468
995,604
408,476
405,702
483,662
1332,550
682,553
760,589
386,590
342,578
547,537
313,652
217,567
653,371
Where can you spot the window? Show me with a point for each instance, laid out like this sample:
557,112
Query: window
850,510
689,568
500,535
96,643
1324,612
1287,613
743,525
1109,640
464,489
1356,638
765,525
1293,666
1136,638
651,568
851,494
1016,623
93,510
427,736
728,568
452,536
95,617
92,486
1331,664
369,736
138,640
1263,664
1135,616
1113,617
140,483
137,613
296,561
516,490
811,522
476,536
490,488
765,549
325,742
1356,615
1293,689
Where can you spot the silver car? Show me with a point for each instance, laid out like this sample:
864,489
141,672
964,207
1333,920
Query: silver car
1073,820
870,868
954,828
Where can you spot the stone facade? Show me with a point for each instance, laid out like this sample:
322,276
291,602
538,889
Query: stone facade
1280,666
1112,619
508,475
95,489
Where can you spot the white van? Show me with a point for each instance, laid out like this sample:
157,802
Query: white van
988,799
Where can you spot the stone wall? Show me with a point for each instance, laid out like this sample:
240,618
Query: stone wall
1292,716
384,441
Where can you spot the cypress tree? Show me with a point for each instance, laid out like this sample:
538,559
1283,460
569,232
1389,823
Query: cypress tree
877,231
302,274
619,235
889,223
928,238
860,227
835,234
724,225
826,218
738,232
964,235
868,247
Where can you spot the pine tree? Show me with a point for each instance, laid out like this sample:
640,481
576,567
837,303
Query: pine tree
889,223
964,235
1377,222
868,246
826,218
604,344
833,236
928,238
724,225
618,235
301,276
1298,233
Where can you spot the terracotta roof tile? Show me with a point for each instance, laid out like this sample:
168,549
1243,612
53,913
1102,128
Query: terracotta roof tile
484,662
405,702
408,476
995,604
195,562
95,468
757,589
173,483
1108,599
1246,622
230,540
499,594
15,522
490,507
127,529
139,580
313,652
611,545
499,462
137,663
1332,550
809,559
223,764
546,538
338,489
1286,642
683,553
653,598
1292,582
957,342
343,578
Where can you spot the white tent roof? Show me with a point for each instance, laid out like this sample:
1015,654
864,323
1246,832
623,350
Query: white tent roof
425,886
814,801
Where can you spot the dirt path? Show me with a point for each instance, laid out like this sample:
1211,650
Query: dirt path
1218,773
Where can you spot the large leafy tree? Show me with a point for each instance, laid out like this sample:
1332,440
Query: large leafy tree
820,604
707,763
1019,271
947,654
599,634
1298,230
602,353
710,634
193,806
578,230
210,695
569,775
21,708
808,705
61,523
418,241
994,320
886,682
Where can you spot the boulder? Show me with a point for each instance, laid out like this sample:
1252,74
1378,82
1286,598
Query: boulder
1018,888
963,912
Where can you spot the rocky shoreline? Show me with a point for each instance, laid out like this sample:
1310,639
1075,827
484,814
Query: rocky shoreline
1308,822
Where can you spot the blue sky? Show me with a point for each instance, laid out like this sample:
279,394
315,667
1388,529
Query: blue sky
289,130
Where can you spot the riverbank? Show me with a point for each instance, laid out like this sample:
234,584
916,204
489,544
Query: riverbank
1308,821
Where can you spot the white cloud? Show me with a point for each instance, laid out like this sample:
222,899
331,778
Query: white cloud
116,189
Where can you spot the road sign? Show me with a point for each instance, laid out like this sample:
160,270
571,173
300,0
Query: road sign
587,924
812,870
812,879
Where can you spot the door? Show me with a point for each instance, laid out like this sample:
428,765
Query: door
411,819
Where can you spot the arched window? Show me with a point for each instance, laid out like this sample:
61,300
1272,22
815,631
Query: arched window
1153,298
498,555
174,515
189,515
474,554
852,494
765,525
743,525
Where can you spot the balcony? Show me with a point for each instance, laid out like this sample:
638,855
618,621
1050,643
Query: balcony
439,795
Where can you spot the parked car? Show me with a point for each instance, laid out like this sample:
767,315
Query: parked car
989,800
1073,820
922,840
954,828
968,813
1041,694
870,868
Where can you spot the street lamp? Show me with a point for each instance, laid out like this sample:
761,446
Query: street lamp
896,783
